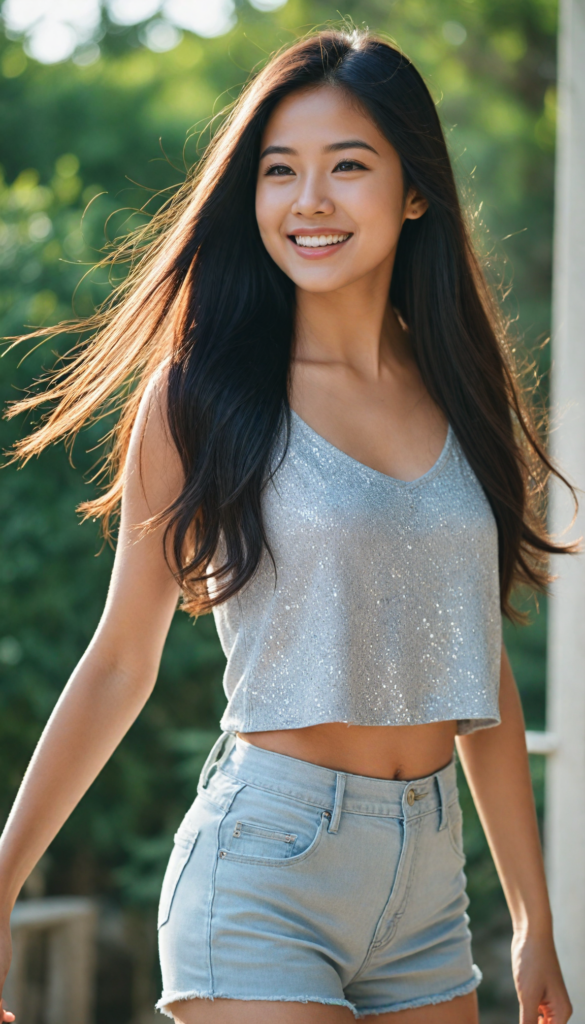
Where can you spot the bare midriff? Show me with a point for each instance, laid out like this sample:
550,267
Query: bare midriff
378,751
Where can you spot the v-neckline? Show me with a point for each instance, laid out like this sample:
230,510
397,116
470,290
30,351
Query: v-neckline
376,472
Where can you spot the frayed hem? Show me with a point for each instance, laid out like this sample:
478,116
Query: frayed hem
413,1004
178,997
181,997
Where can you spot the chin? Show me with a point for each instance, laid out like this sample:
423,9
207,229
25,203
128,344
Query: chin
321,282
333,285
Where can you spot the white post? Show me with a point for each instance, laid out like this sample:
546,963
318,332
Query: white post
565,792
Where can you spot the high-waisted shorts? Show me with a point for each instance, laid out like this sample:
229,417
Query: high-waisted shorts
292,882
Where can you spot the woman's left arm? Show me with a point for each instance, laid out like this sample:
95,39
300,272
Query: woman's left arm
495,762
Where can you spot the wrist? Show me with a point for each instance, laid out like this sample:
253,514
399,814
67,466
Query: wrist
8,897
5,912
534,926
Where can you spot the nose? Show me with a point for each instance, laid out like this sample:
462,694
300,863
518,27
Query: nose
310,200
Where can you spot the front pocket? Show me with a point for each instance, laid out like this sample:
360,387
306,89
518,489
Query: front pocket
185,840
281,850
255,838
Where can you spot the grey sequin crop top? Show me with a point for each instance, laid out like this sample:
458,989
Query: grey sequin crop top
385,608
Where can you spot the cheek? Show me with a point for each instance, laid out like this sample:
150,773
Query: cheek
269,216
380,219
376,208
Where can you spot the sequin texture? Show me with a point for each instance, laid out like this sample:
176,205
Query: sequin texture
385,605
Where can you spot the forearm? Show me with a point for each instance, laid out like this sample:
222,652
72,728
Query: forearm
495,762
97,707
115,677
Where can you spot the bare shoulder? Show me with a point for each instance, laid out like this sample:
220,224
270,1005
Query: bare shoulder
152,429
153,465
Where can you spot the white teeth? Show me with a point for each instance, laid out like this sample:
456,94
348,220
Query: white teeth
316,241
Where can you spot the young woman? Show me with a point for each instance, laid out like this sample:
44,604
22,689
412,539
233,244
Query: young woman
325,443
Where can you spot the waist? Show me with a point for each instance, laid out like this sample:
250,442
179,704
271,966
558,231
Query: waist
383,752
313,784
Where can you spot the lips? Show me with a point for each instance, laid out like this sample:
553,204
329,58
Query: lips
317,244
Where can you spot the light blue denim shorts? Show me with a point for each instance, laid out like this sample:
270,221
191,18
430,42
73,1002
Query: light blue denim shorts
292,882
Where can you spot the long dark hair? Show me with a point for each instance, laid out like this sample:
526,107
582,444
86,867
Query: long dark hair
206,301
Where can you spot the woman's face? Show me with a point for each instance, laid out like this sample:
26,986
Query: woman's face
330,200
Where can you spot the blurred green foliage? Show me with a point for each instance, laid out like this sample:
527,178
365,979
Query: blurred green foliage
90,145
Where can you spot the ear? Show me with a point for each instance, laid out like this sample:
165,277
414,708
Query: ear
415,205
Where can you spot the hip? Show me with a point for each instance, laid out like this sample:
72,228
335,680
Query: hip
346,874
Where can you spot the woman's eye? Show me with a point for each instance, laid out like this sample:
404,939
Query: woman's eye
349,165
279,169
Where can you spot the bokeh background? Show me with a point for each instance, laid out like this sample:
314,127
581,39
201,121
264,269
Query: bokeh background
102,108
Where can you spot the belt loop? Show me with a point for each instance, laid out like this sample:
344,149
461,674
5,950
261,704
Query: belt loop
442,801
216,755
338,804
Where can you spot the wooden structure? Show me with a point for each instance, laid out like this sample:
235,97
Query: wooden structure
52,972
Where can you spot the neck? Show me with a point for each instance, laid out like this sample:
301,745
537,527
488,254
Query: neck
354,325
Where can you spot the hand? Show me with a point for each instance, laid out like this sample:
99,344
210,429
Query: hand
5,958
6,1014
539,983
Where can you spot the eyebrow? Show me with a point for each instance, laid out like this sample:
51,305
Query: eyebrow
333,148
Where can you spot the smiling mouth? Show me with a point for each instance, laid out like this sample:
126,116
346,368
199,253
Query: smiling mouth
319,241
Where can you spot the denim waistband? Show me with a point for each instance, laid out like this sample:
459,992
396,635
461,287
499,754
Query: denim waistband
330,789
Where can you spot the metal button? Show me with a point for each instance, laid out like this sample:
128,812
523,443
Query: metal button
410,797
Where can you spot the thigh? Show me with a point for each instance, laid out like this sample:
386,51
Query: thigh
237,1011
462,1010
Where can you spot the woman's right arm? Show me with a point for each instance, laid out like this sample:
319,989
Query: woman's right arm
116,675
